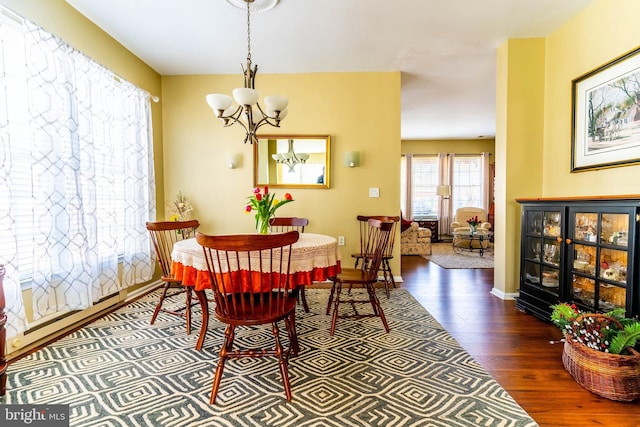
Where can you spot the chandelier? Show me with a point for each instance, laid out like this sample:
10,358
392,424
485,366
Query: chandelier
290,158
248,113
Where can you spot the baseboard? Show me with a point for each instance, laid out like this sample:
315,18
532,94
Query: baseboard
507,296
41,334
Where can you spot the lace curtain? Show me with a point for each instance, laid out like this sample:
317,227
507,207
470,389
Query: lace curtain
76,175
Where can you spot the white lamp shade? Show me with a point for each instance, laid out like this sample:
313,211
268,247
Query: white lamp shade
303,156
443,190
246,96
275,103
233,160
352,159
218,101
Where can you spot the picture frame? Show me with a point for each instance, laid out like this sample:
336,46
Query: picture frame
606,115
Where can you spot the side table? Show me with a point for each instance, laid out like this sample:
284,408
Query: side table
433,225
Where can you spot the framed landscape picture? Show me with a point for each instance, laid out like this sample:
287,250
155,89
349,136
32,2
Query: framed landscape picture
606,115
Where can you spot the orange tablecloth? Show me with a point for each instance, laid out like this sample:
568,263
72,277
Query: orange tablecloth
315,257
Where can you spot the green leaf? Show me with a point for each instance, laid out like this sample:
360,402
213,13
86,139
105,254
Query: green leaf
562,315
625,339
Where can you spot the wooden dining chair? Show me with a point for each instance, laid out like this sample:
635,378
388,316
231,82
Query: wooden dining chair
366,276
284,224
250,279
385,266
164,234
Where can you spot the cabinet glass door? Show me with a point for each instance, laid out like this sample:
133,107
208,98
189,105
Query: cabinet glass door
599,254
542,251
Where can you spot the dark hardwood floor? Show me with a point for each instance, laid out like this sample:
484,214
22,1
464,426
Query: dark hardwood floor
512,346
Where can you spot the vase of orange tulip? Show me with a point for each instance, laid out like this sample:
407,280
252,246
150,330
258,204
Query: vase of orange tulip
265,204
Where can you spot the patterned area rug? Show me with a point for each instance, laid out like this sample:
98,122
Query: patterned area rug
121,371
443,255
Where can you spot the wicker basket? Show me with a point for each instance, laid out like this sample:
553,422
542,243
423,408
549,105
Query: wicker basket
614,376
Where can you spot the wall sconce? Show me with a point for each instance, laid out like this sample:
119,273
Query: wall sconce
233,160
352,159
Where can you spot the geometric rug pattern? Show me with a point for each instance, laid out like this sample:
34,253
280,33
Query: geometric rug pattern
443,255
121,371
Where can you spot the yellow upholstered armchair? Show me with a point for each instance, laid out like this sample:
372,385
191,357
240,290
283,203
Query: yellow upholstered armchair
460,228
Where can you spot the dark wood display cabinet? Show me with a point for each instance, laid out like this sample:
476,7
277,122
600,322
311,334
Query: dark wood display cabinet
579,250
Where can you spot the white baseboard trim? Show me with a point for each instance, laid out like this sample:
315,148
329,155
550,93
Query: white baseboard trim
39,335
142,290
507,296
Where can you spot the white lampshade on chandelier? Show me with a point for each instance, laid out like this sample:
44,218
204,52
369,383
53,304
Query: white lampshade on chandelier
290,158
248,112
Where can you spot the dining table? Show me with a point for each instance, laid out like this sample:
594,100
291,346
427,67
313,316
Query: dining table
314,258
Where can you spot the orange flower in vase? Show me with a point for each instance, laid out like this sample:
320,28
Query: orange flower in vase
265,204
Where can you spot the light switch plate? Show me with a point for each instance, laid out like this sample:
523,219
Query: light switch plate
374,192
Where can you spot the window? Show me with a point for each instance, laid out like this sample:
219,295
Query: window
421,175
76,171
467,181
423,181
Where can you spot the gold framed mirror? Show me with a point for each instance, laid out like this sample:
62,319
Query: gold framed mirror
292,161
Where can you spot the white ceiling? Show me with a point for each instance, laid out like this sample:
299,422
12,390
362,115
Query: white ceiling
445,49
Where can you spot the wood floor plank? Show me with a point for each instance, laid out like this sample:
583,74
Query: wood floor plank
512,346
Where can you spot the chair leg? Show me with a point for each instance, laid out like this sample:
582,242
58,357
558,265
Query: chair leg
159,305
333,289
290,324
388,276
282,361
304,299
229,335
187,309
204,308
334,318
377,308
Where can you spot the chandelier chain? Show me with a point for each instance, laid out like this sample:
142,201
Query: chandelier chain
248,31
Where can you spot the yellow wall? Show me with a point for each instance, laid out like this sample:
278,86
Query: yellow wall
519,141
360,111
602,32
